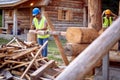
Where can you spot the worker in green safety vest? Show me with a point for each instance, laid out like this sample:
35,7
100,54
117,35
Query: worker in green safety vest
39,23
107,21
108,18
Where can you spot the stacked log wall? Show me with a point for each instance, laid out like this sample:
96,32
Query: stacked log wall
76,7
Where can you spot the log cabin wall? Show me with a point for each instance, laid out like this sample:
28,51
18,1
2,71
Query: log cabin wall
23,17
65,13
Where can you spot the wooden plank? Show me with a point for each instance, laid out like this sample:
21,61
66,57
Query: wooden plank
57,41
24,53
92,54
43,68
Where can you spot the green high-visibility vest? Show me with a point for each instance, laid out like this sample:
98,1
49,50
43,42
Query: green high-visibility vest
107,22
40,26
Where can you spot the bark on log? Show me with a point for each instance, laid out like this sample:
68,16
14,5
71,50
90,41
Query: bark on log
81,35
72,49
91,55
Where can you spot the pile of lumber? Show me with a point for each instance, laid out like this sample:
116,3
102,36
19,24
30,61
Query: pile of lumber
78,38
23,61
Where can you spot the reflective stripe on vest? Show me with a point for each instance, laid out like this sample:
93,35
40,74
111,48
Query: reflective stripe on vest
107,22
40,26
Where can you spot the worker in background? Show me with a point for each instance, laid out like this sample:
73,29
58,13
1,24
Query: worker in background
39,23
108,18
107,21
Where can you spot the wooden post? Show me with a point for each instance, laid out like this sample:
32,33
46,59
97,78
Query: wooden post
105,67
84,17
3,18
86,61
119,8
59,45
15,22
95,14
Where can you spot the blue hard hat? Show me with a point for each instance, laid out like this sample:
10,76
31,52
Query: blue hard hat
35,11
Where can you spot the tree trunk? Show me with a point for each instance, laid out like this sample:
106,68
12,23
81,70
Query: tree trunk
81,35
92,54
95,19
72,49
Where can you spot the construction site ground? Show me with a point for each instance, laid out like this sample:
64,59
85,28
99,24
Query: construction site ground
53,52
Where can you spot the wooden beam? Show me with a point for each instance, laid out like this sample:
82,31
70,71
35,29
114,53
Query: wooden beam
92,54
15,22
40,32
57,41
95,14
40,71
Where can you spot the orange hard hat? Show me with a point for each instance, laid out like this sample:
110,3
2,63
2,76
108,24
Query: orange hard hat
107,11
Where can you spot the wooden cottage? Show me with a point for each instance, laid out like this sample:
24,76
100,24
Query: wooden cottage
17,14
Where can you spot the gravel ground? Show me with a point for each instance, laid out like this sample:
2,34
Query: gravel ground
9,36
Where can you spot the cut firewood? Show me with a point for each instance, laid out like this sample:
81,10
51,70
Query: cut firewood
73,49
81,35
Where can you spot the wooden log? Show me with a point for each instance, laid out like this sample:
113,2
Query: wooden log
115,47
114,56
81,35
95,19
40,32
31,37
73,49
57,41
91,55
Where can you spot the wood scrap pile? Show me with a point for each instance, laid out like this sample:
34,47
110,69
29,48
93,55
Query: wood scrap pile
23,61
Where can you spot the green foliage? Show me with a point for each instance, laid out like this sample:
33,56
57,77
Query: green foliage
3,41
53,52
